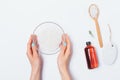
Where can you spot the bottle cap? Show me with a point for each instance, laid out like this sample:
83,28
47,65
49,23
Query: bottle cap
88,43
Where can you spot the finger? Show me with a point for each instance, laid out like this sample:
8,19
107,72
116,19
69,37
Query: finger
68,49
29,50
34,45
68,41
63,45
35,40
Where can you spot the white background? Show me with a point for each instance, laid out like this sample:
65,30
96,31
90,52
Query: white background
18,18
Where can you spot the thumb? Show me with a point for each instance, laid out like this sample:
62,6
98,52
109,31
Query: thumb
34,45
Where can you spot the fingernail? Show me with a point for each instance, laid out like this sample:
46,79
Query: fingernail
64,43
33,44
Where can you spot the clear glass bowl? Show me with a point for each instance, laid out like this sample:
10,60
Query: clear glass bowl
49,36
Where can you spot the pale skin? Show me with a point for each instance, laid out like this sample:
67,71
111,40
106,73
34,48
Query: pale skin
36,62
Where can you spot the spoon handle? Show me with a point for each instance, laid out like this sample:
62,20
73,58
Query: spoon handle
98,33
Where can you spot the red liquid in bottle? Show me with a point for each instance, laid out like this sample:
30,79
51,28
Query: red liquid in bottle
91,57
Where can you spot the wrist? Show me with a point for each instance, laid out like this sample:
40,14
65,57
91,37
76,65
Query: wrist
35,75
36,69
65,74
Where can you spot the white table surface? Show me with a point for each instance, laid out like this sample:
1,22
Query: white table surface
18,18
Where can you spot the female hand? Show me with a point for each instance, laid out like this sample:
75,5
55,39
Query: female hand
34,58
64,58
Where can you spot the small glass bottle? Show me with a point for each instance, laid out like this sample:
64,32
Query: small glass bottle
91,57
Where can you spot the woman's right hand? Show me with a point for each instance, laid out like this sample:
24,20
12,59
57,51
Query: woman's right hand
64,58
